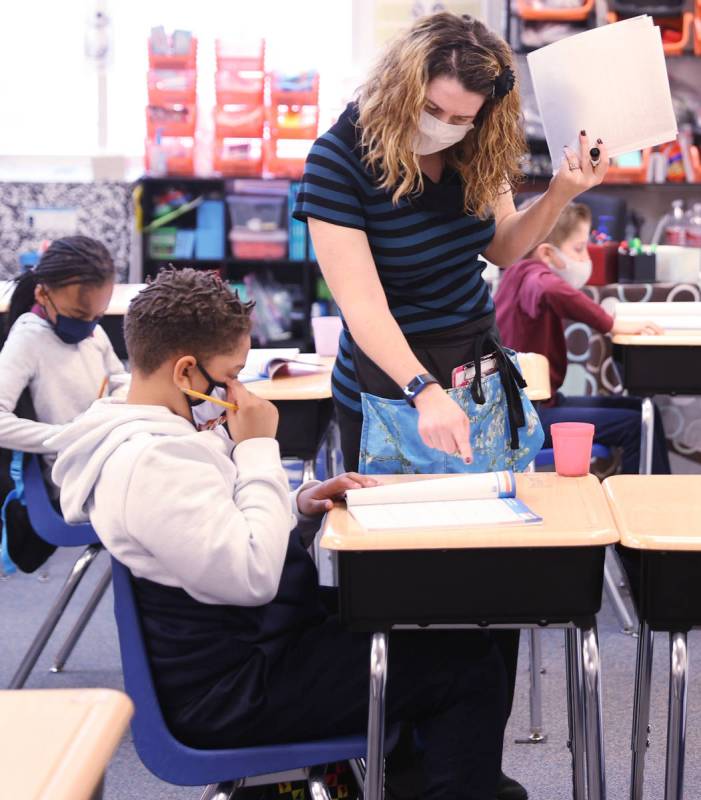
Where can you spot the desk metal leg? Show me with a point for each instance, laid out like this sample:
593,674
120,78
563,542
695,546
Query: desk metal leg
375,771
535,689
575,709
616,598
591,666
676,720
308,470
641,710
647,430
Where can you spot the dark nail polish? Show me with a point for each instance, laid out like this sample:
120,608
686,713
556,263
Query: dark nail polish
598,141
582,133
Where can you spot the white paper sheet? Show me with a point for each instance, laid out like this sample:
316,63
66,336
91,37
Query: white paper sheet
444,514
486,485
610,81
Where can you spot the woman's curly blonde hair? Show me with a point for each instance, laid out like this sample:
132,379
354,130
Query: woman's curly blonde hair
391,101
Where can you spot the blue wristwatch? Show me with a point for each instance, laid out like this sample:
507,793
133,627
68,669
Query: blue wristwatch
417,385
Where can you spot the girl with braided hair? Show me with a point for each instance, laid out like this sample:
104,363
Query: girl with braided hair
55,348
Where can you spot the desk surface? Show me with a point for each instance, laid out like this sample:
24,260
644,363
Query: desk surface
657,512
121,297
56,743
306,387
679,338
574,510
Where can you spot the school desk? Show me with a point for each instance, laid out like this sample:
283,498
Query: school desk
659,518
515,577
650,365
55,744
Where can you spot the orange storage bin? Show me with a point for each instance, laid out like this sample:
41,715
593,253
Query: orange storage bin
294,123
683,24
629,174
240,56
294,90
245,122
696,162
179,155
528,11
697,28
172,87
235,89
238,159
171,120
285,158
172,60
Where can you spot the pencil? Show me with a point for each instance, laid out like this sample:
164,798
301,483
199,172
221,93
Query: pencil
210,399
103,386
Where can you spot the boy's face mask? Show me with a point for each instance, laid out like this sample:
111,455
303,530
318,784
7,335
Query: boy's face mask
211,386
576,272
69,329
435,135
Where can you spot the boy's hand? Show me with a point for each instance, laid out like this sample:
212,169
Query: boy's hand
254,418
317,500
633,327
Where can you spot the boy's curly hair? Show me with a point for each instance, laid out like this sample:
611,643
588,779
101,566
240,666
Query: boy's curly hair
183,312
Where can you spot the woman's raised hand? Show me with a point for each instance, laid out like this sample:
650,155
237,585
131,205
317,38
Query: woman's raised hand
580,171
442,423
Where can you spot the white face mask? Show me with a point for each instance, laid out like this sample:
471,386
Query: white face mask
435,135
576,273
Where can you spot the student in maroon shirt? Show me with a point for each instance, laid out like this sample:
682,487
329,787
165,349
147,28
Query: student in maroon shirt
534,297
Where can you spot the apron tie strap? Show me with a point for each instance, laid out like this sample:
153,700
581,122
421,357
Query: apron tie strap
511,380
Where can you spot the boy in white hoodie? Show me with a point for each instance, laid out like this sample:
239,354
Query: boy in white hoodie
244,645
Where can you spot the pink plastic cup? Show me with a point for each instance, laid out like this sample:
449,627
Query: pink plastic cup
326,333
572,443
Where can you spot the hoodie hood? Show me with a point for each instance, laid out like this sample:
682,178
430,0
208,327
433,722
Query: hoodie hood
512,279
85,445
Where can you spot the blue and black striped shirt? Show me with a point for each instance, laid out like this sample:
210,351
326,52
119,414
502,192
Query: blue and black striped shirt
425,248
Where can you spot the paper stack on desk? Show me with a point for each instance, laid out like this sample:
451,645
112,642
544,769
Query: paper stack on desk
670,316
460,501
610,81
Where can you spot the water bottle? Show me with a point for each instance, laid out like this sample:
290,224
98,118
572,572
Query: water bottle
676,224
693,226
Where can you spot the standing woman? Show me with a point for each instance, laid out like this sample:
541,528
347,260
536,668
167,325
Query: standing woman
401,195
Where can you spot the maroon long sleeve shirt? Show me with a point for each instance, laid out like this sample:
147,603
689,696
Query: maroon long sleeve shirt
531,304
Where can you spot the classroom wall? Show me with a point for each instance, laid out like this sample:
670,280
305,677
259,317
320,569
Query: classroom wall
104,211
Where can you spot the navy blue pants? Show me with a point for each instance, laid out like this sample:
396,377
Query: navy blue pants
617,421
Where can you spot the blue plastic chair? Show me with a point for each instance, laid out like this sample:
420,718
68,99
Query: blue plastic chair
51,526
547,455
221,770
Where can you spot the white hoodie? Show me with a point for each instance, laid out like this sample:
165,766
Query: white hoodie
63,380
176,506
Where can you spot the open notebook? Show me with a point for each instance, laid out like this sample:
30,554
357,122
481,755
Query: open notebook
459,501
279,363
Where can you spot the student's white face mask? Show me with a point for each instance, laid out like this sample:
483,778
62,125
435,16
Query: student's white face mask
435,135
576,273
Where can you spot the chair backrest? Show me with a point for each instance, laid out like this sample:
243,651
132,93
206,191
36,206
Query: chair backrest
536,370
162,753
46,521
157,748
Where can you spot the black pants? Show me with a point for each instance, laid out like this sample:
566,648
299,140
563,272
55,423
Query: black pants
440,353
449,688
